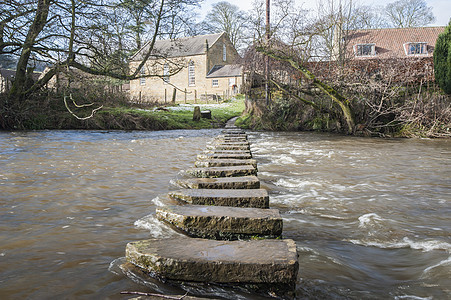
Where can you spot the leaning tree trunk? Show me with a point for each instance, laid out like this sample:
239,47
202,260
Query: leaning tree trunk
35,29
342,102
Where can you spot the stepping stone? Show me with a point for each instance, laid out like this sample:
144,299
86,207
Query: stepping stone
228,147
224,143
233,131
225,162
243,182
247,152
231,137
221,154
257,198
201,260
223,223
231,171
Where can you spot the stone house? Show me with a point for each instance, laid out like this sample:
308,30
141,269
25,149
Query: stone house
7,78
199,67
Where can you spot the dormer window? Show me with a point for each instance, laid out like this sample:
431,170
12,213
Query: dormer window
365,50
415,48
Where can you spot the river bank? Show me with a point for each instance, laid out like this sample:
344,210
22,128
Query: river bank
56,114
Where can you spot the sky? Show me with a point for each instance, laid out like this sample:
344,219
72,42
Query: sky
440,8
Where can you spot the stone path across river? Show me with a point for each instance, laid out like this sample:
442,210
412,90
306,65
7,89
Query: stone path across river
232,237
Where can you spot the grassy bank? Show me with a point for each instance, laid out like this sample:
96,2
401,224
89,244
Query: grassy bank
51,113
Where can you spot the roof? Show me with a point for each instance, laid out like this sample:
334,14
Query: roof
390,42
187,46
225,71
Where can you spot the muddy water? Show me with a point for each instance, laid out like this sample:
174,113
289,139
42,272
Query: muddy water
371,218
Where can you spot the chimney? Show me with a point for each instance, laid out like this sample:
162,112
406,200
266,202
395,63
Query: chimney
206,45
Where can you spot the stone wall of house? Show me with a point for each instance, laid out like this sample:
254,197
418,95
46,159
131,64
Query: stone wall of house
155,89
215,53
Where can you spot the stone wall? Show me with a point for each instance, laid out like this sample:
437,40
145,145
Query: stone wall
155,89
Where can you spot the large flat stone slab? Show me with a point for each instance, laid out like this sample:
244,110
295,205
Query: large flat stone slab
223,223
233,132
225,162
210,151
236,198
231,137
223,142
224,154
242,182
228,147
202,260
231,171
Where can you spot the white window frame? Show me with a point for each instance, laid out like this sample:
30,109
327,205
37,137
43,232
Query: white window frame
232,81
372,52
224,52
191,74
166,71
142,80
215,82
408,48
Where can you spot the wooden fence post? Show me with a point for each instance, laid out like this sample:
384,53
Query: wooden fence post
185,95
165,95
206,97
174,94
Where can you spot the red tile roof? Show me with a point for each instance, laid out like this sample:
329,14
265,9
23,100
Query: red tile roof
393,42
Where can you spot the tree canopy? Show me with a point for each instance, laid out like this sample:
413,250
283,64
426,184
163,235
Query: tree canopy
409,13
95,37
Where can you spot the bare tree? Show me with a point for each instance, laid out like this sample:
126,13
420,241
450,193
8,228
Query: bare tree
409,13
93,37
229,18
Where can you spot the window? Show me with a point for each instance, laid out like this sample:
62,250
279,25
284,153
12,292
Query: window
416,48
224,52
365,50
142,72
191,74
166,73
215,83
232,81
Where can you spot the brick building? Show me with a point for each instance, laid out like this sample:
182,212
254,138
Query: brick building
397,54
195,67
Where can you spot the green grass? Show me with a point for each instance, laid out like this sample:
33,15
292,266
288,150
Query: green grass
177,116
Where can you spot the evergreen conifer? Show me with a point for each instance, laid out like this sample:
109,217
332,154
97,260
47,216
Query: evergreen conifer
442,60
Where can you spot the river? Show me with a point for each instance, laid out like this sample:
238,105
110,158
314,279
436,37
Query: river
371,217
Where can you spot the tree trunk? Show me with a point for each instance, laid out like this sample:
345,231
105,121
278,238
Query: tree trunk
330,91
35,29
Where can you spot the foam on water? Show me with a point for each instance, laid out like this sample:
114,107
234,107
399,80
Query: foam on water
156,228
425,246
296,183
285,160
369,219
157,201
412,297
443,263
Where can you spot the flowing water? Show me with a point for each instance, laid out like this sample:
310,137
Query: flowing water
371,218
